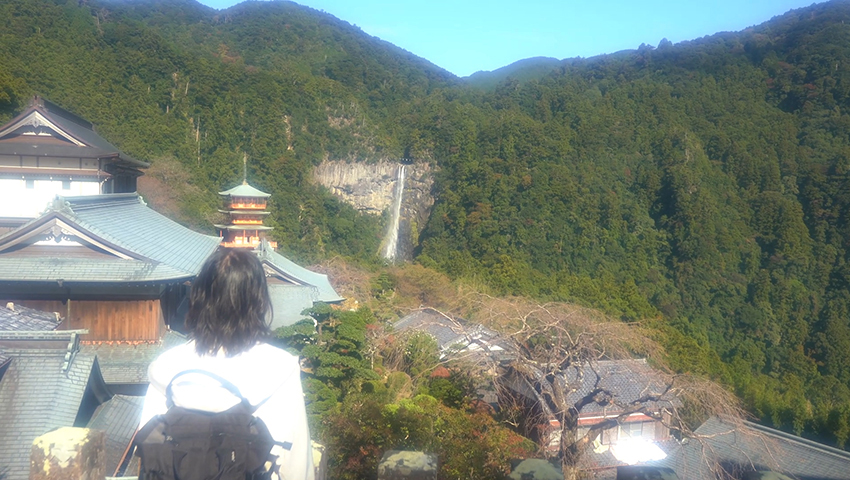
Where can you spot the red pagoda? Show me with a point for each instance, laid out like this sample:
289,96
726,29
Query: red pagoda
245,207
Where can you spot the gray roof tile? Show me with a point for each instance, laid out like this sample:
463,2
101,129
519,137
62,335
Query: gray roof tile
288,301
26,319
324,291
446,331
126,363
161,249
450,331
127,221
51,269
761,448
36,397
76,127
629,380
119,418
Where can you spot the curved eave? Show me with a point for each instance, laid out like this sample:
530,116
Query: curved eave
245,190
126,161
245,212
244,227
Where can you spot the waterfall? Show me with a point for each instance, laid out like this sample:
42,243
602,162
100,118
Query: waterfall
391,239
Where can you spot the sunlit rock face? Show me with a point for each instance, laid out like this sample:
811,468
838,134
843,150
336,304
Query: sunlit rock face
371,188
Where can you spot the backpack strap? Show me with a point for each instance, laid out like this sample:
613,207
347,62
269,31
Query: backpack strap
169,402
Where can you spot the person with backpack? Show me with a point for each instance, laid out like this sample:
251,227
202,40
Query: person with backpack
215,404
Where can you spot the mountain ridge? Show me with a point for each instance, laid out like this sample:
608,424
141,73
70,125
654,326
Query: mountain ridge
699,187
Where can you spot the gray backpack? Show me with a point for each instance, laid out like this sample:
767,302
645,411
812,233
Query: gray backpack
186,444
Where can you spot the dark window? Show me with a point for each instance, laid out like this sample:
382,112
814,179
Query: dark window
632,430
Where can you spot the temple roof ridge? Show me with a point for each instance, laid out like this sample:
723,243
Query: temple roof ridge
148,246
245,190
298,274
74,129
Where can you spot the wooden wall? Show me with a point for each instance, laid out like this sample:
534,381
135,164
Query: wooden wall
127,320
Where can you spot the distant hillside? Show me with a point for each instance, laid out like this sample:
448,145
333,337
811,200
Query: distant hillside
521,70
702,188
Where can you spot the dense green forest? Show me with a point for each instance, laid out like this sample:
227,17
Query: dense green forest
701,188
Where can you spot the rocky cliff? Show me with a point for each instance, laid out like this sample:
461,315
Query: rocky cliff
370,188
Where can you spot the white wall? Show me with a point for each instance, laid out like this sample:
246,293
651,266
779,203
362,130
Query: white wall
16,200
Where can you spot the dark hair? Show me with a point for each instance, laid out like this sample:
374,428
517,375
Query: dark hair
229,306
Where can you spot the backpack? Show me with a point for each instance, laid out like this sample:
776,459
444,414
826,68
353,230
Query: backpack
186,444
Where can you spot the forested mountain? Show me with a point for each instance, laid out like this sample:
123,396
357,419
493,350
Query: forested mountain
701,188
521,70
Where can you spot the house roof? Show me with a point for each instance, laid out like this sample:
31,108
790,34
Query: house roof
76,137
445,330
629,380
77,270
42,388
245,190
450,332
288,301
119,417
127,220
756,448
20,318
126,242
126,363
296,274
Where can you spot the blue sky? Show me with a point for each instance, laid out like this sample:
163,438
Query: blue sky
466,36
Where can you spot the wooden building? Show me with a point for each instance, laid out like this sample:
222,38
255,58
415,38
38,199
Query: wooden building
245,207
76,239
47,151
105,263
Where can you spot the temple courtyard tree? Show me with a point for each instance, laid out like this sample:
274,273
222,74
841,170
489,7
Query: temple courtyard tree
580,383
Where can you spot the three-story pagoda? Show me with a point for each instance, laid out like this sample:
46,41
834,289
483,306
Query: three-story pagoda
245,207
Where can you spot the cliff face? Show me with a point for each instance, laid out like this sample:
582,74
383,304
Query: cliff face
370,188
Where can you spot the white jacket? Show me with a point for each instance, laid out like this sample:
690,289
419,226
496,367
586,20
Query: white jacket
262,374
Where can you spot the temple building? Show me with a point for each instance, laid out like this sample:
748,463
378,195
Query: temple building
245,207
109,278
107,264
292,288
47,151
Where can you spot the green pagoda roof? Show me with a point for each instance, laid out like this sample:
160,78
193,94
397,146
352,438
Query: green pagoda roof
245,190
244,227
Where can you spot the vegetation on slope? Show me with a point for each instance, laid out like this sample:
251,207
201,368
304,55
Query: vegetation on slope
701,187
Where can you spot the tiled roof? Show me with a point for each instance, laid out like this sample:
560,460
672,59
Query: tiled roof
36,397
81,130
127,221
26,319
51,269
118,417
125,363
446,331
626,380
759,448
450,332
298,274
158,248
288,301
629,380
